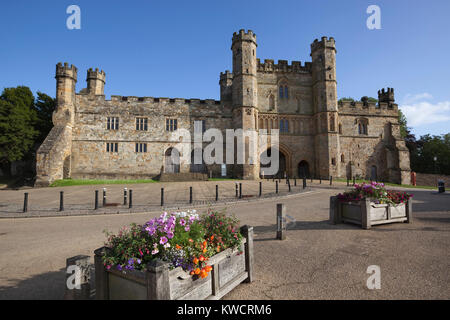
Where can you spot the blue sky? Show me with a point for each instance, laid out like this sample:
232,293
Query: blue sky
178,48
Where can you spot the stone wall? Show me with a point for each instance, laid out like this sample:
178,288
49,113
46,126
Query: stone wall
427,179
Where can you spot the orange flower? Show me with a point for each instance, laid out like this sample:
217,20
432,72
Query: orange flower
192,273
208,268
204,243
202,258
178,247
197,271
204,250
203,274
190,240
212,237
218,248
195,261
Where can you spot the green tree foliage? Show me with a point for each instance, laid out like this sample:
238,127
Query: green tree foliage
45,105
429,147
17,123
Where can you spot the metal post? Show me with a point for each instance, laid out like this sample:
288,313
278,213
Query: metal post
130,201
240,190
276,186
320,180
281,221
295,182
289,185
331,180
61,201
25,202
104,196
96,200
304,182
190,195
260,188
237,190
162,197
217,192
124,196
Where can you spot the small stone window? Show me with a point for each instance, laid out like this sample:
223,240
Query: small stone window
283,92
112,123
363,126
171,124
141,147
142,124
112,147
342,158
333,161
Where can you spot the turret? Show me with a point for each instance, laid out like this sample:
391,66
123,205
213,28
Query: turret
226,82
66,78
245,97
327,146
95,82
386,96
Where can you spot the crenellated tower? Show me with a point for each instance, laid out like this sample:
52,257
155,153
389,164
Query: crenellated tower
226,82
245,96
95,82
326,142
66,79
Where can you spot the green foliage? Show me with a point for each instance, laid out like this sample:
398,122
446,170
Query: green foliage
346,99
428,147
80,182
372,99
18,118
45,105
222,229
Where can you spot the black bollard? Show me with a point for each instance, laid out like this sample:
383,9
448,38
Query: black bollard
217,192
331,180
276,186
260,188
25,202
304,182
237,190
320,180
190,194
295,182
96,200
124,196
61,201
130,201
162,197
311,179
240,190
104,196
289,185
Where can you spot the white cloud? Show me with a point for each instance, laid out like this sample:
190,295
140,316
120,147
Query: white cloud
419,112
412,98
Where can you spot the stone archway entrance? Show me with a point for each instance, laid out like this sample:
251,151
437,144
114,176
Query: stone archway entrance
303,169
373,173
172,161
282,167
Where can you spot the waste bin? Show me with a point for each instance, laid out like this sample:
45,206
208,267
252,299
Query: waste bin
441,186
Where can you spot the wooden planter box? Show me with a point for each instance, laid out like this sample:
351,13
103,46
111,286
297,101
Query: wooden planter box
366,213
229,269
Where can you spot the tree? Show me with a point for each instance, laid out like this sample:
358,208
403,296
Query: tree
17,124
429,147
44,105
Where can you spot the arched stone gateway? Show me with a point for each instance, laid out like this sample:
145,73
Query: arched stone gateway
373,173
282,168
303,169
172,161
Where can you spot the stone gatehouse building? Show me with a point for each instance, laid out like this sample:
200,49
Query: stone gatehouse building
130,137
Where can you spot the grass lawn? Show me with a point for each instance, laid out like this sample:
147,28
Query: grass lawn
222,179
80,182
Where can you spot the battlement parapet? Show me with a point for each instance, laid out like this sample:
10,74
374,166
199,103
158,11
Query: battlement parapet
227,75
244,36
96,74
324,43
367,107
165,100
283,66
66,71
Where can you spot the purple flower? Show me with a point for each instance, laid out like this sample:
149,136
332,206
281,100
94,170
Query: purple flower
187,228
139,261
163,240
119,267
182,222
170,234
131,261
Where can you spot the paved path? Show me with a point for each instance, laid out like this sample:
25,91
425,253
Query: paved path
317,261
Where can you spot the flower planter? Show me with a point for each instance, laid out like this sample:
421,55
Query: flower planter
157,282
366,213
